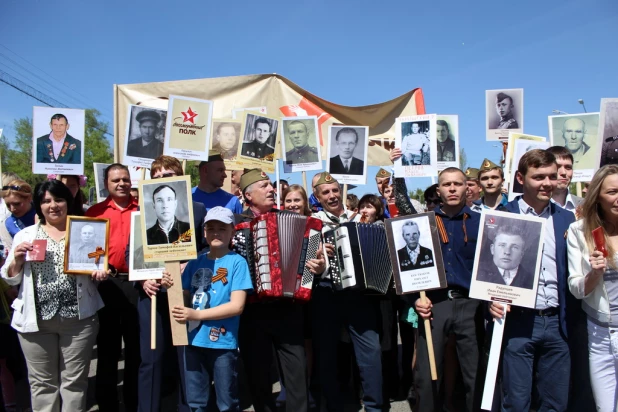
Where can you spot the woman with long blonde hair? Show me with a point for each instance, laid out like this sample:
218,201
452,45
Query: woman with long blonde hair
593,278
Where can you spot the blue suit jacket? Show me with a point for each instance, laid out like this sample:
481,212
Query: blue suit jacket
72,155
561,219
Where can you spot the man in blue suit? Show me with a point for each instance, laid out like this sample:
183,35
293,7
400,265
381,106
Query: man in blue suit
58,146
537,338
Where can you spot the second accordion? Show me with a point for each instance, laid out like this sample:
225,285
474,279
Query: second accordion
362,260
277,246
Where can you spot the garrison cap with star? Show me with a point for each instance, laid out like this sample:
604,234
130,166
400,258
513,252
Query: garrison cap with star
250,177
213,156
488,165
325,178
472,173
145,115
383,173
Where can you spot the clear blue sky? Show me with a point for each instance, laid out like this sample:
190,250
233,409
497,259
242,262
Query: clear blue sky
349,52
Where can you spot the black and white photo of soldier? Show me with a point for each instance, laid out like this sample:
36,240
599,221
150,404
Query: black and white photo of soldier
413,256
260,135
170,225
301,141
446,145
226,139
415,144
510,258
146,140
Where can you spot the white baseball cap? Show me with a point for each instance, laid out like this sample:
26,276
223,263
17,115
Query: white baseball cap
220,214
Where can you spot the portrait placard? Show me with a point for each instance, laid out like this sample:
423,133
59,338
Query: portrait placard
347,154
99,178
510,151
138,269
521,147
504,113
300,144
579,134
225,139
415,253
237,113
145,133
168,230
187,131
260,134
416,136
58,140
86,245
508,256
447,140
608,132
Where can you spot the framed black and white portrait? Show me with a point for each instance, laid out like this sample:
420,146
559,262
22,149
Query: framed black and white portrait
259,141
58,140
300,144
508,258
415,253
167,219
504,113
145,134
225,139
447,141
579,134
608,132
347,153
416,136
138,269
86,245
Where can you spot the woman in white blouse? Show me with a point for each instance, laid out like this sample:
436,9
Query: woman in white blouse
55,313
594,279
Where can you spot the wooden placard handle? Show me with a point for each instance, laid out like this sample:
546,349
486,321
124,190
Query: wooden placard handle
428,336
175,298
153,321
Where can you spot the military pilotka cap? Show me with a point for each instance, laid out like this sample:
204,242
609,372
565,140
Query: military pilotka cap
487,166
148,115
472,173
213,156
383,173
325,178
250,177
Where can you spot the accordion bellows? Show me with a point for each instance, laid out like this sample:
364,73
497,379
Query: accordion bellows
362,260
277,246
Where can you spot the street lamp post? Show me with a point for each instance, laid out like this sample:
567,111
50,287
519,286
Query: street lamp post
581,101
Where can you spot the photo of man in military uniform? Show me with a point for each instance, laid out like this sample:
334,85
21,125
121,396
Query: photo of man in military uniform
413,256
146,145
504,108
260,131
446,145
297,133
58,146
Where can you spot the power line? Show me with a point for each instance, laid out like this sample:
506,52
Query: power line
39,96
52,77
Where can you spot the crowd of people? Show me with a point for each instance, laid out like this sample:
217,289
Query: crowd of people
339,347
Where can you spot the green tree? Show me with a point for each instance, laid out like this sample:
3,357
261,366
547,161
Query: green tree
418,195
17,153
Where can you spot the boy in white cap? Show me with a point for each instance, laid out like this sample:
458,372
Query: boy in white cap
218,283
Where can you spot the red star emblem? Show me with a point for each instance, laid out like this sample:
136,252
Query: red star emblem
189,116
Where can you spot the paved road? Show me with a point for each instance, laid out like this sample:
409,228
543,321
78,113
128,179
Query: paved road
169,402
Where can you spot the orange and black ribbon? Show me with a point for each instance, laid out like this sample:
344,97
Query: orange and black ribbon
442,228
97,254
220,276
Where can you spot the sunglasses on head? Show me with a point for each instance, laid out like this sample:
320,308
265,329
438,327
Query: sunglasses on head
18,188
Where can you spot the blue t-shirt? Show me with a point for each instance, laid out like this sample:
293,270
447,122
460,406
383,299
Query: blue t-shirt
197,279
218,198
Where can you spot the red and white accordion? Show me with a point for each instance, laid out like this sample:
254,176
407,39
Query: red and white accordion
277,246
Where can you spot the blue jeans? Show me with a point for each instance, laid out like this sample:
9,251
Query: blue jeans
204,365
529,341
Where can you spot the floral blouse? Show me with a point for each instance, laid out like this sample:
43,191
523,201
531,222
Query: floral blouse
55,292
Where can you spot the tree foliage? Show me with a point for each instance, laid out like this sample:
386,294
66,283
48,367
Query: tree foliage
17,152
